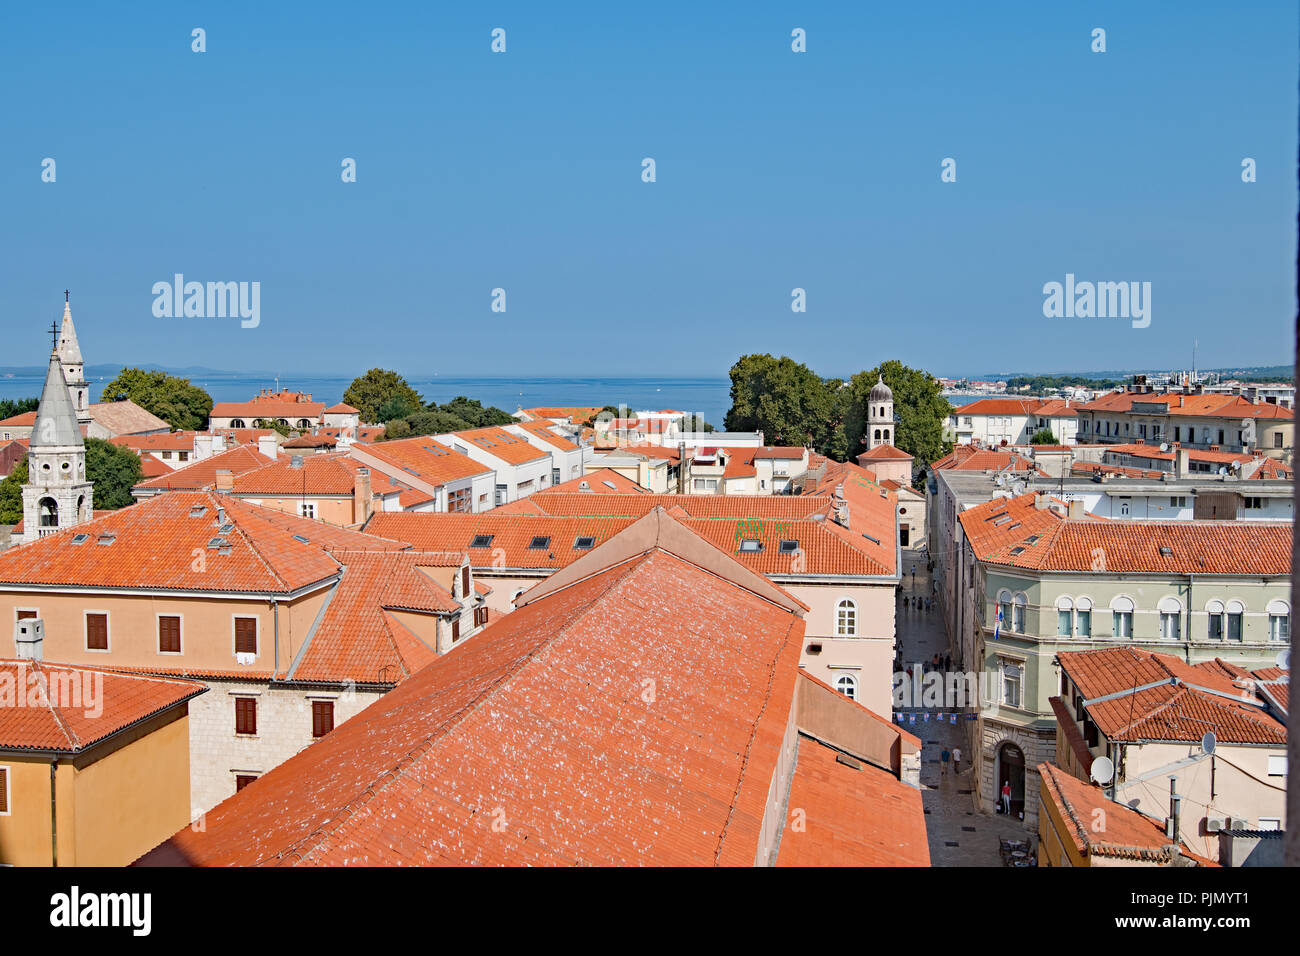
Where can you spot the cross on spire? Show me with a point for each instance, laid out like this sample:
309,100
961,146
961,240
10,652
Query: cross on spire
54,334
66,293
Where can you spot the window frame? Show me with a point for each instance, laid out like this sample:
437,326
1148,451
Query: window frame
180,633
852,683
108,631
234,632
850,606
245,699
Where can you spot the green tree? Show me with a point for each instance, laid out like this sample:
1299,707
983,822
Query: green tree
471,411
919,407
272,423
9,407
434,421
370,392
114,471
1043,436
395,407
782,398
181,405
11,493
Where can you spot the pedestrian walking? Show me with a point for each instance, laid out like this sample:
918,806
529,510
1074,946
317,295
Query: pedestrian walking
956,760
944,760
947,662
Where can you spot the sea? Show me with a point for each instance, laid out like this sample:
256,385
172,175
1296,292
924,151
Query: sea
709,397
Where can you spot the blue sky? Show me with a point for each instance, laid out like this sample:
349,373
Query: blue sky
775,170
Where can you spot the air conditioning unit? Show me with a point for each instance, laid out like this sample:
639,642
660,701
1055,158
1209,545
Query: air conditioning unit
1214,824
1237,823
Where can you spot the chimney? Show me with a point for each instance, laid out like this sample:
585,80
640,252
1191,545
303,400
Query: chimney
1182,461
268,445
218,443
1075,509
225,479
681,467
361,497
1042,501
29,639
1175,812
842,513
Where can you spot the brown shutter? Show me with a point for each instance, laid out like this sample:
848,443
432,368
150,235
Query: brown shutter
245,715
4,790
169,635
24,615
322,717
464,581
245,635
97,632
455,630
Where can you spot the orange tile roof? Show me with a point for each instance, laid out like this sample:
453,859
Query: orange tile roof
699,506
315,475
342,408
999,406
173,441
861,816
1274,685
283,404
824,547
1127,547
318,533
154,544
311,441
1127,834
543,430
1200,406
576,414
359,638
45,723
425,458
534,743
598,482
499,443
1188,701
793,452
1272,468
151,466
885,452
978,458
125,418
23,420
203,473
243,436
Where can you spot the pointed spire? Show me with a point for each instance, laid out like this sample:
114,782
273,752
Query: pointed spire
69,350
56,420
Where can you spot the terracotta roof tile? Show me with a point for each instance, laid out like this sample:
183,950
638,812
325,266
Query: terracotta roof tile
203,473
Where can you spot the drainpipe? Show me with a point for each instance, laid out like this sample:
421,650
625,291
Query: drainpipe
275,615
54,816
1187,637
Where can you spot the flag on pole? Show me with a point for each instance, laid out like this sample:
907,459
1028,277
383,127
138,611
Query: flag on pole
997,625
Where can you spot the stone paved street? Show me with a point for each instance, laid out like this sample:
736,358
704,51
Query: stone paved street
960,835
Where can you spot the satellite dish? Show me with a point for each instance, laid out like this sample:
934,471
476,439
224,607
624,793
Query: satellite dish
1000,480
1284,660
1222,470
1019,488
1164,446
1208,743
1103,770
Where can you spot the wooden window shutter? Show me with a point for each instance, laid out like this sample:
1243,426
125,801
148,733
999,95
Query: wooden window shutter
245,635
322,717
4,790
455,630
245,715
97,632
169,635
24,615
464,581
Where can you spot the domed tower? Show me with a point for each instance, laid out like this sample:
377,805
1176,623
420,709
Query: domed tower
57,494
880,415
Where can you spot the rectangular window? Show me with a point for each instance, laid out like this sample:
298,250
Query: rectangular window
307,509
1279,627
245,635
555,476
25,615
1277,439
1083,623
1121,624
242,780
1277,765
322,717
1063,624
246,715
464,581
1216,627
169,635
1170,629
1018,619
1011,685
1234,627
459,501
96,632
4,790
455,630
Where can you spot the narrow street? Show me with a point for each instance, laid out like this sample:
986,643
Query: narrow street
959,834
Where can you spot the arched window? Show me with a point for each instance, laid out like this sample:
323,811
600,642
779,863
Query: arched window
49,513
1083,618
237,423
1171,616
1214,615
847,685
1004,608
886,434
846,619
1279,621
81,507
1018,614
304,423
1064,617
1121,618
1236,612
877,434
